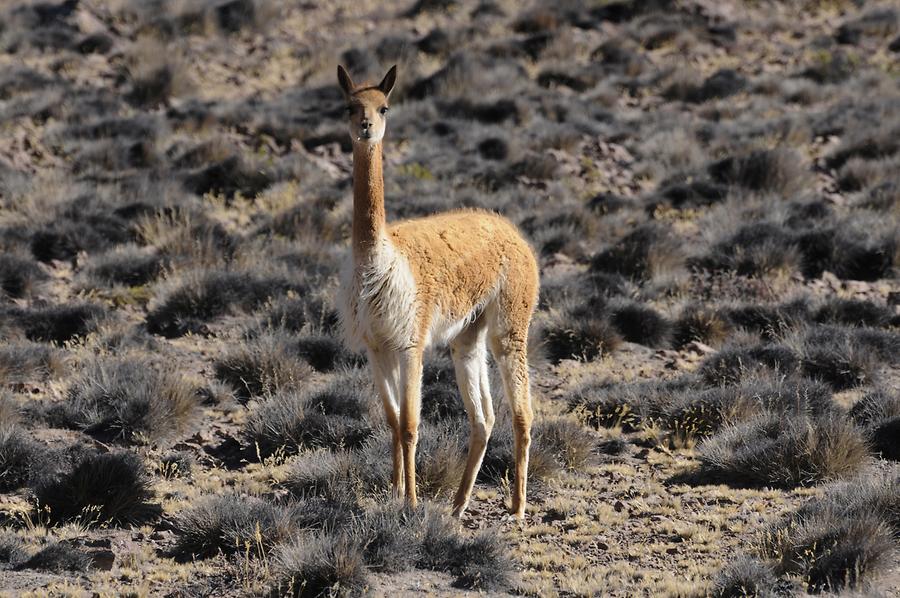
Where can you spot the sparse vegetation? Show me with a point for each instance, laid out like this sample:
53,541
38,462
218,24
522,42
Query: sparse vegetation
712,195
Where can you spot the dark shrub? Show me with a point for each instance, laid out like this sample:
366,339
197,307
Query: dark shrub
324,473
886,438
328,417
840,365
328,564
480,562
176,465
127,400
778,171
693,415
388,538
629,406
757,249
769,321
876,23
107,487
646,252
59,557
201,299
18,455
226,524
784,451
26,362
641,324
854,312
12,550
732,364
57,324
721,84
128,266
262,366
569,442
440,394
18,275
583,339
835,66
744,577
229,177
702,324
325,353
875,407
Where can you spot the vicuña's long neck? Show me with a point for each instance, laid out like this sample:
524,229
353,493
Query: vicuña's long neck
368,198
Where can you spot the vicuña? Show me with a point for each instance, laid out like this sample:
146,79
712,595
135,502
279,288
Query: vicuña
466,278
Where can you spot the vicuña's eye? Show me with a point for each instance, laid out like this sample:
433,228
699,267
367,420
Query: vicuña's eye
383,109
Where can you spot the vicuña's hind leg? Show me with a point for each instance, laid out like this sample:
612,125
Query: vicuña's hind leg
510,353
385,367
469,351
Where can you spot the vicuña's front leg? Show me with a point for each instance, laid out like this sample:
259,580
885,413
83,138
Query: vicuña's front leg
410,407
385,367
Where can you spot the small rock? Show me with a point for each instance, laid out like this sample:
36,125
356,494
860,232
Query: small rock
619,506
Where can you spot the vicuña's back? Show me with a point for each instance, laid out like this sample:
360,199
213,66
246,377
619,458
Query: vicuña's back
466,278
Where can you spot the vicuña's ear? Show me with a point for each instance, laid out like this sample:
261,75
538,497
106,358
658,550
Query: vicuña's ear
387,84
345,81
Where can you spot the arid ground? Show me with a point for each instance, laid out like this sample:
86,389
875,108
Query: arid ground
712,189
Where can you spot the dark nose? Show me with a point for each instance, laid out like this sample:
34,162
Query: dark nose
365,124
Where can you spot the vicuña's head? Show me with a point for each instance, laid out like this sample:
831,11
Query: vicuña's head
367,106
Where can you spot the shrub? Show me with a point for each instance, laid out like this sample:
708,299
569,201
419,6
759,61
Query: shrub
127,400
769,321
18,455
18,275
641,324
127,266
841,365
326,353
388,538
784,451
585,338
440,394
327,564
854,312
265,365
12,550
833,555
874,407
213,294
324,473
328,417
228,524
570,443
59,557
693,415
744,577
647,252
886,438
479,563
702,324
106,487
57,324
732,364
26,362
757,249
777,171
629,406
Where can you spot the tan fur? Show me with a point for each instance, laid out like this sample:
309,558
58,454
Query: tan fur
466,277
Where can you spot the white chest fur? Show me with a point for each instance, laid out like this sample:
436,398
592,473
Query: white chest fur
378,306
